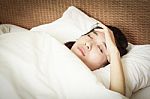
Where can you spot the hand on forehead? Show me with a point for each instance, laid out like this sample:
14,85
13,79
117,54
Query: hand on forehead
107,32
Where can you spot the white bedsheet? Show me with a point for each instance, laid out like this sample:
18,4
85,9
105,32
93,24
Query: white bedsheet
35,65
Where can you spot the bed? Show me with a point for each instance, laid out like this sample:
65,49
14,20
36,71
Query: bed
30,21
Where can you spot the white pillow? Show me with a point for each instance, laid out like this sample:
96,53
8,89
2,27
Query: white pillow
8,28
70,26
136,65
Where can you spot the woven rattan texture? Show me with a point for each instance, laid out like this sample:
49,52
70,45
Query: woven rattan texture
131,16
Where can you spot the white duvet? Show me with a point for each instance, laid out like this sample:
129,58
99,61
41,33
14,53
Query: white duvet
34,65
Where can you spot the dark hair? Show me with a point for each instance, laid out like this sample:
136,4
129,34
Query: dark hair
120,39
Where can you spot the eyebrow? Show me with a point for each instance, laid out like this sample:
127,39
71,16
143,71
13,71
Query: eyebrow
98,27
93,30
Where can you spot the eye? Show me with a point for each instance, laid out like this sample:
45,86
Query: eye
95,32
90,36
100,48
105,44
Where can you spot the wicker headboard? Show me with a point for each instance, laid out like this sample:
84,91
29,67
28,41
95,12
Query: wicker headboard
131,16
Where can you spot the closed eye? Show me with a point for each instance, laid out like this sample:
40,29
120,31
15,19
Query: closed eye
100,48
95,32
90,36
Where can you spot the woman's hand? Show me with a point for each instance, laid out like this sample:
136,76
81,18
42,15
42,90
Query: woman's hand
109,41
117,80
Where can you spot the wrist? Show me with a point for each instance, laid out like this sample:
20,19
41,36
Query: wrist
114,51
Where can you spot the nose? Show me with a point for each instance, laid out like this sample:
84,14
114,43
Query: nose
88,45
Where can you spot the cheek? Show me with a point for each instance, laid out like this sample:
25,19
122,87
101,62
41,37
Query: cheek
81,40
93,63
95,57
95,60
75,50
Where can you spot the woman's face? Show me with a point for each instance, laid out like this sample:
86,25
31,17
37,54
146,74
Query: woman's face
91,49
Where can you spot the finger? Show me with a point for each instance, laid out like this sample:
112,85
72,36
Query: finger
104,48
107,32
99,30
106,35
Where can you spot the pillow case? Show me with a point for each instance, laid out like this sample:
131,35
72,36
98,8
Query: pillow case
141,94
137,67
136,64
70,26
7,28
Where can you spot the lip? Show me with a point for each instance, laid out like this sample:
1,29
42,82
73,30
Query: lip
81,50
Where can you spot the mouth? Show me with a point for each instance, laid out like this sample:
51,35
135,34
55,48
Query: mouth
81,50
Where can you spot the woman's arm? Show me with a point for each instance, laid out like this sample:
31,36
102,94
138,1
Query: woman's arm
117,80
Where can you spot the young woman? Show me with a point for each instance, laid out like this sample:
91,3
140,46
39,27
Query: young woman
101,46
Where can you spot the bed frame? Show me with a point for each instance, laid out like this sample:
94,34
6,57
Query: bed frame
131,16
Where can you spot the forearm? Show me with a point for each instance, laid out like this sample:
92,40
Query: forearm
117,80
